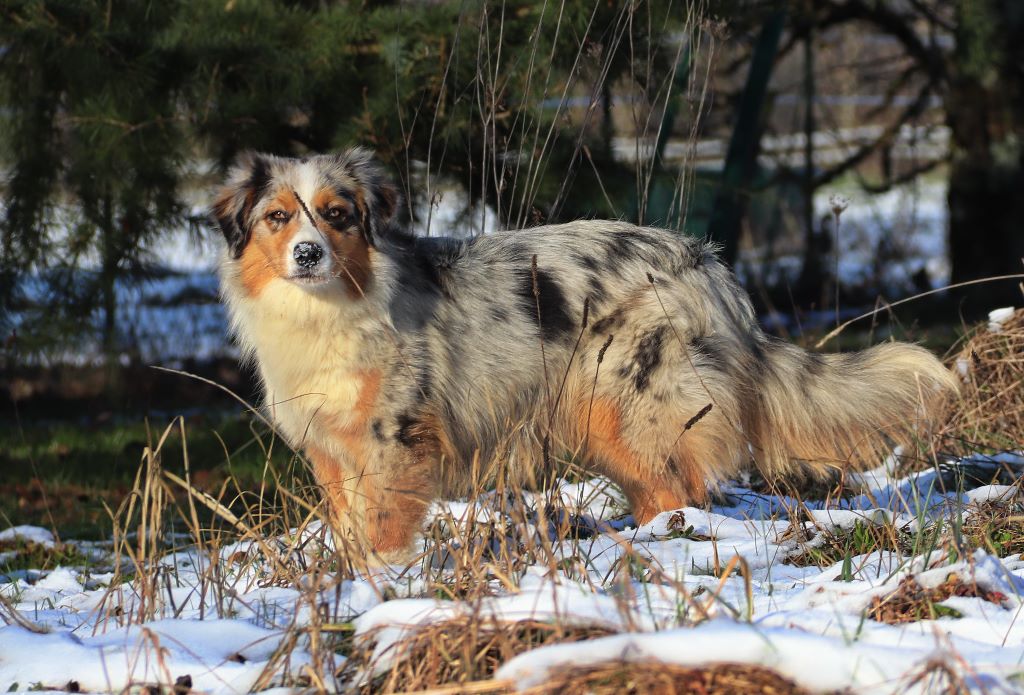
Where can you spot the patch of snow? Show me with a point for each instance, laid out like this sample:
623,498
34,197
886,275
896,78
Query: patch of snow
963,368
728,567
220,656
997,317
815,662
30,534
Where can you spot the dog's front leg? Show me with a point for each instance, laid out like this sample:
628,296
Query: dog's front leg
395,509
338,487
379,508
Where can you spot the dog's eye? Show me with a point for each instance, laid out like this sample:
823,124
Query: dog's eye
335,213
278,216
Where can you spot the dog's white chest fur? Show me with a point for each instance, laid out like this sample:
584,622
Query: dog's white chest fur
307,349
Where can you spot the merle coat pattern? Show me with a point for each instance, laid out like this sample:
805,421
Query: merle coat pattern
393,361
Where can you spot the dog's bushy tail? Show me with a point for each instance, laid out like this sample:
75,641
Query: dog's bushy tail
808,412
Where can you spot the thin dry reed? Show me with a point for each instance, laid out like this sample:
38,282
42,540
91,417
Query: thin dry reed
990,413
462,651
656,678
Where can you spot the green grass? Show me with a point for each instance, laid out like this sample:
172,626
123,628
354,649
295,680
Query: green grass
60,475
998,527
21,554
110,453
843,544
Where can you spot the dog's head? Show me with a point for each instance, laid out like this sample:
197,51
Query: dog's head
312,221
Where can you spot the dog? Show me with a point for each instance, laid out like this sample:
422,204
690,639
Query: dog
398,363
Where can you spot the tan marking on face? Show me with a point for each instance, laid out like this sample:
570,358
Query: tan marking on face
264,257
364,211
349,247
326,198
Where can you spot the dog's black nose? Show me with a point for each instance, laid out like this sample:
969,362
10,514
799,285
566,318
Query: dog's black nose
307,254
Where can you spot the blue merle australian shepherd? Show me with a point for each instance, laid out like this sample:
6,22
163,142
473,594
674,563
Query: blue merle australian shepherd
394,361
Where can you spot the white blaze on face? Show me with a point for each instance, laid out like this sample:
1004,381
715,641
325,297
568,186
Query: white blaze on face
305,180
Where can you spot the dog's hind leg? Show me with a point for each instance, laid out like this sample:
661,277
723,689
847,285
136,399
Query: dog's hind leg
664,446
652,484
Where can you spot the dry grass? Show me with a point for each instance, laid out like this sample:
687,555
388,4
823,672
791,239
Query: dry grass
285,546
911,602
282,540
989,415
461,651
997,527
842,544
479,555
655,678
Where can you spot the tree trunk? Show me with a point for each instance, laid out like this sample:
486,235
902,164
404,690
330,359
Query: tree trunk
811,285
108,283
741,159
109,299
985,113
986,223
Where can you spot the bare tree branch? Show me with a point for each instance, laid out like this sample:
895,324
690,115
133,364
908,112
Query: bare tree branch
932,15
893,23
885,140
906,177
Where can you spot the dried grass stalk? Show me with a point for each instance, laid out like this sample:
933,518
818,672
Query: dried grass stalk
911,602
990,412
657,678
463,650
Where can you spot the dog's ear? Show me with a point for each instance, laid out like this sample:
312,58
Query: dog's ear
232,211
379,200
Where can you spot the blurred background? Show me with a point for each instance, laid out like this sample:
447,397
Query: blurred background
844,153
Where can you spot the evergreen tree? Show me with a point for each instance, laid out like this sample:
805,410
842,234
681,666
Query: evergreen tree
94,142
108,104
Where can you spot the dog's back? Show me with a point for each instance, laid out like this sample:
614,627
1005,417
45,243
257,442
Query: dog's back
686,380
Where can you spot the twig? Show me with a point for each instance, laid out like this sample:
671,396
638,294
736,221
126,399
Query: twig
12,616
840,328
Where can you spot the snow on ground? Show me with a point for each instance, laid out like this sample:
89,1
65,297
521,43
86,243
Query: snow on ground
247,629
29,534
